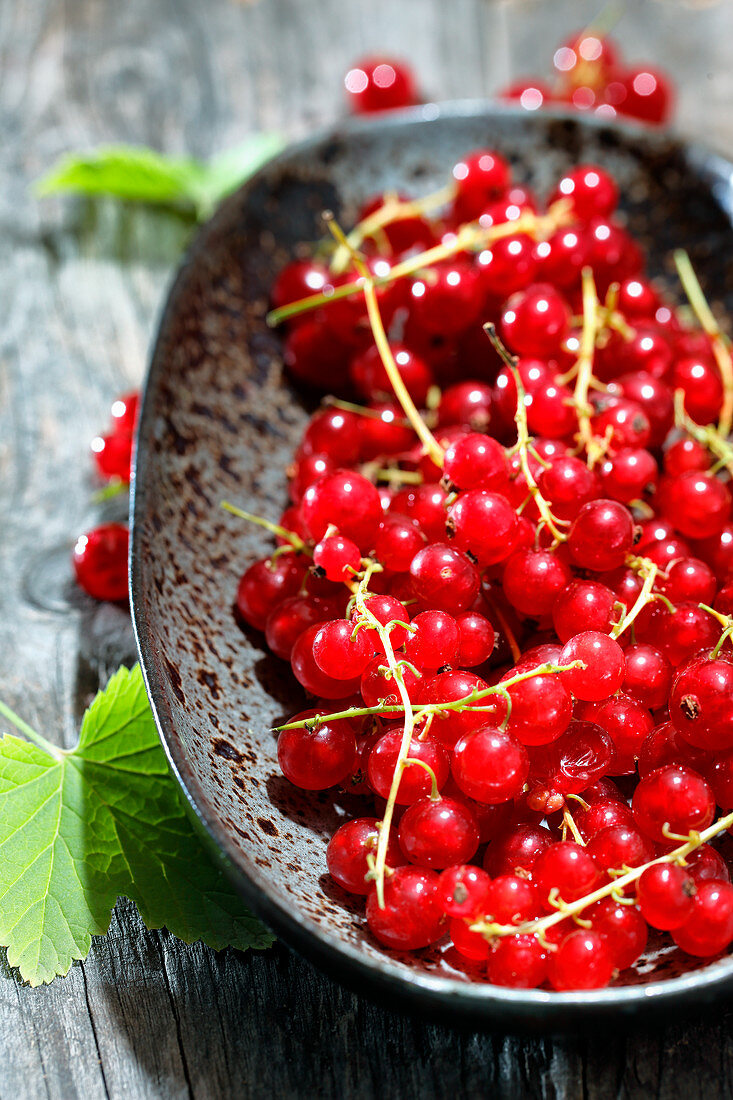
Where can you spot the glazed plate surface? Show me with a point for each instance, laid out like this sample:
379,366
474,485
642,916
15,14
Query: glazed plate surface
220,420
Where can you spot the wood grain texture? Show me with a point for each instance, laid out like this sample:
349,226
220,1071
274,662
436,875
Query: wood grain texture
81,286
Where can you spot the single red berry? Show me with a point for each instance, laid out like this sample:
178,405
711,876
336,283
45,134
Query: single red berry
666,893
582,961
438,832
347,851
411,916
709,927
673,799
317,758
100,561
462,890
379,84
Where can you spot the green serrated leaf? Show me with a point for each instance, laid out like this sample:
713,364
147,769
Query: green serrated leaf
81,827
138,174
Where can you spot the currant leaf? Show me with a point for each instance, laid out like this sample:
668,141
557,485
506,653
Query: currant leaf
137,174
81,827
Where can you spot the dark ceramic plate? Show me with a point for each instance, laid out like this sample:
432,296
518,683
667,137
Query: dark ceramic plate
219,421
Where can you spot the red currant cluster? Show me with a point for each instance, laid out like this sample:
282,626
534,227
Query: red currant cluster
591,76
514,625
100,555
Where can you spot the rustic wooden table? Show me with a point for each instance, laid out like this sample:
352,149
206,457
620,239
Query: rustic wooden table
147,1016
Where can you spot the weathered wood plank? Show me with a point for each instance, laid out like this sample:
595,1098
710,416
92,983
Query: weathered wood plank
80,286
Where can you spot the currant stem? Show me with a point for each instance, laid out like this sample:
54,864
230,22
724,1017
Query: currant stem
393,209
710,326
640,603
53,750
274,528
708,436
569,909
523,443
470,237
426,437
584,367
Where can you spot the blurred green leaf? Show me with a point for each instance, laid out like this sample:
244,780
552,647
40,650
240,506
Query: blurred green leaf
137,174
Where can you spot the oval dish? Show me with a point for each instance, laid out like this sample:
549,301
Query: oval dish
219,421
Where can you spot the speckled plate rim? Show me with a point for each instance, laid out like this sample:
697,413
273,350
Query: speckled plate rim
381,977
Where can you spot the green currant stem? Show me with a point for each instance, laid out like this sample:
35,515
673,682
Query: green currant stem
708,436
570,909
568,822
584,367
274,528
53,750
115,488
522,445
710,326
641,601
426,437
360,410
726,621
434,795
470,237
421,712
392,210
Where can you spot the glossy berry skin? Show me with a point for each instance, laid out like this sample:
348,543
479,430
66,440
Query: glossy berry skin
475,461
482,524
515,850
666,893
339,651
370,378
630,475
415,780
709,927
647,675
434,641
490,765
346,500
602,815
411,917
535,321
112,455
567,485
604,665
100,562
568,869
673,795
397,541
462,890
533,579
619,845
626,722
508,265
289,619
298,279
379,84
519,962
334,432
447,300
346,854
448,687
444,578
664,745
471,945
480,177
582,961
622,927
645,94
583,605
541,709
701,703
476,639
318,758
601,536
308,673
578,758
697,503
438,832
466,403
590,190
376,687
339,558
